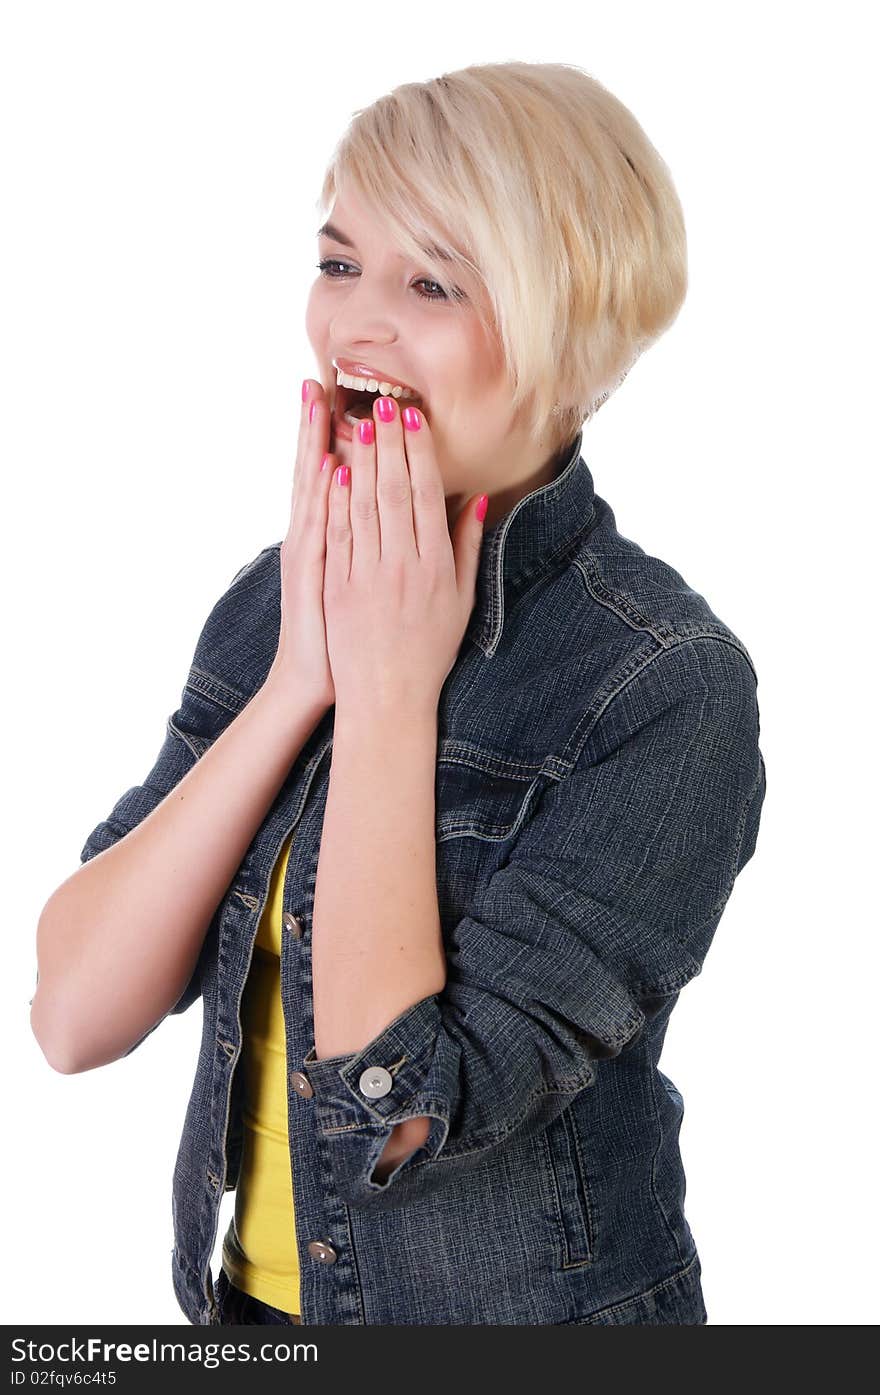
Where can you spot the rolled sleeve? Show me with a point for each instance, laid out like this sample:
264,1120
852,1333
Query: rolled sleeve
407,1062
605,909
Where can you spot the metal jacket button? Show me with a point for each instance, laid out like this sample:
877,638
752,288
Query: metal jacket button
375,1082
301,1084
292,924
323,1251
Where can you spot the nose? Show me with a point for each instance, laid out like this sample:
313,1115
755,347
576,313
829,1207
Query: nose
363,317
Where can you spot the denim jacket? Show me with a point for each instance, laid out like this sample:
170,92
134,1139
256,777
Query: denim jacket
599,786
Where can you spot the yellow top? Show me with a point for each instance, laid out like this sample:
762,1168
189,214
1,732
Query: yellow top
259,1248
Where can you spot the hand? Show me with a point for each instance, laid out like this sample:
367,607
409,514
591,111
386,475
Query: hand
302,660
398,589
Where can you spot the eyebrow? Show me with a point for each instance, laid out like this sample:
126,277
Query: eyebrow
330,230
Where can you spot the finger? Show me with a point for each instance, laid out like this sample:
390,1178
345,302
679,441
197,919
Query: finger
366,541
306,541
430,523
467,545
312,444
393,493
337,565
319,505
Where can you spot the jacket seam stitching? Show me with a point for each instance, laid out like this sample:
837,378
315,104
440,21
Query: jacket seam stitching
648,1292
184,738
592,717
626,610
615,601
200,681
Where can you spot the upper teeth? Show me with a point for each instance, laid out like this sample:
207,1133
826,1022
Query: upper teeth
372,385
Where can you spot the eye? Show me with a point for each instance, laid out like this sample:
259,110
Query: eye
439,294
325,265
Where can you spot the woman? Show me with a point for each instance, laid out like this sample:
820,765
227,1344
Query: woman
461,778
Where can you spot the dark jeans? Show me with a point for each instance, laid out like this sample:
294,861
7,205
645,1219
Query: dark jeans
238,1308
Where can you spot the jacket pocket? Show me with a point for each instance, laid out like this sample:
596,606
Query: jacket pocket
575,1214
480,795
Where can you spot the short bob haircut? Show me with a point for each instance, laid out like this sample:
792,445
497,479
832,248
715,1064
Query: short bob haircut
530,184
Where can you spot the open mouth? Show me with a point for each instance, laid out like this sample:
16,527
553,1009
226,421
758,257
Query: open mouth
359,404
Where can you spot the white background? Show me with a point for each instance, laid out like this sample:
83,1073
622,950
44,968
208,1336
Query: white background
160,168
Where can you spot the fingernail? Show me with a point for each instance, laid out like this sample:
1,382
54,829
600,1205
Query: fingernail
325,462
386,408
342,474
305,388
411,419
365,431
312,410
482,506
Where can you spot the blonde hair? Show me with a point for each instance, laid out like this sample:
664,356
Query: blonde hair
534,183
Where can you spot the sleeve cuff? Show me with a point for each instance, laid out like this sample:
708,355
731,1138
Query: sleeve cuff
361,1096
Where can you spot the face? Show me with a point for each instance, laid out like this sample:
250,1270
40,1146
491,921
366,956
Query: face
382,311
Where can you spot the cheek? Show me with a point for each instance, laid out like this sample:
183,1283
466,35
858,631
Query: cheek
482,402
468,426
318,315
314,318
487,390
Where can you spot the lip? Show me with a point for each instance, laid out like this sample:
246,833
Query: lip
362,370
343,430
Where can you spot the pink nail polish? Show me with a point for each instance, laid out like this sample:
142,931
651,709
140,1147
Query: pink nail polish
365,431
342,474
325,462
305,389
482,506
386,408
312,410
411,419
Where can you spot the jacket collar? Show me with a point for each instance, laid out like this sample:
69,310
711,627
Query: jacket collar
525,544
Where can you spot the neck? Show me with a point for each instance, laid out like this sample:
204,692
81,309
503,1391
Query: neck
521,477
